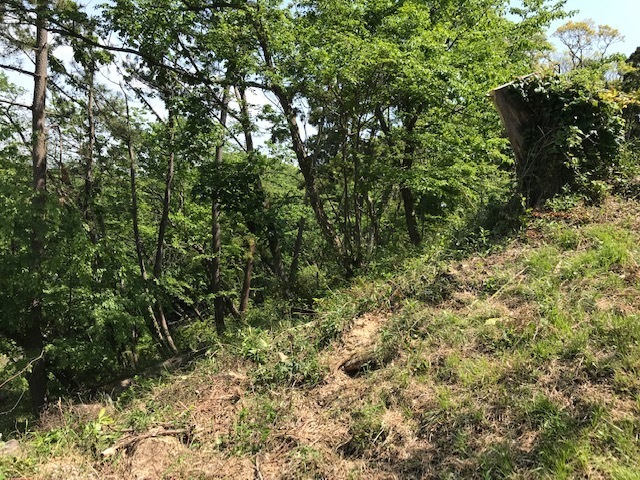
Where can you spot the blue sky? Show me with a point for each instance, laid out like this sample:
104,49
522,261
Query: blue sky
621,14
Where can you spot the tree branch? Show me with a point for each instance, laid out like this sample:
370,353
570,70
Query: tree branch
16,69
15,104
17,128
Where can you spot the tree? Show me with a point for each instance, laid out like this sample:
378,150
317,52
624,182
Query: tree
631,86
29,334
586,44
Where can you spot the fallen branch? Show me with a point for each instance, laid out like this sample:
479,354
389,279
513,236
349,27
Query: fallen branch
256,467
128,441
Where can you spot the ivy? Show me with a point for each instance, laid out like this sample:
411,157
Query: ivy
572,137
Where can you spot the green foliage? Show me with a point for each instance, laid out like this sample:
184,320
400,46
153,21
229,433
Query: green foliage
96,434
290,360
381,105
253,426
572,137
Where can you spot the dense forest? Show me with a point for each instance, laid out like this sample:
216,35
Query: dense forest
173,171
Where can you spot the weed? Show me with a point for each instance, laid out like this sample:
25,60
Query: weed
289,359
292,372
497,462
565,237
307,463
254,344
253,426
543,261
478,372
367,430
96,434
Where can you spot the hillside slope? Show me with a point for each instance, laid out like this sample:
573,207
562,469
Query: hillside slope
521,363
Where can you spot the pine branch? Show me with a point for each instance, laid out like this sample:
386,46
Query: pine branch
16,69
15,104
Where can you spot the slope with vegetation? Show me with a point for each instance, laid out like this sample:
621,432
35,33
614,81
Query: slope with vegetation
309,215
521,362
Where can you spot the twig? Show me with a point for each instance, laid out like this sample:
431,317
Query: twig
16,405
15,104
258,475
23,370
17,69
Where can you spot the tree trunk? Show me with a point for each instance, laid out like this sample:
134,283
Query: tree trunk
293,272
406,163
306,167
357,205
305,162
374,233
216,241
87,200
273,237
348,248
162,229
248,271
365,197
35,342
153,325
410,214
405,190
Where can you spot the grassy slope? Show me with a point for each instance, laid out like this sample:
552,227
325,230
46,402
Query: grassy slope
523,363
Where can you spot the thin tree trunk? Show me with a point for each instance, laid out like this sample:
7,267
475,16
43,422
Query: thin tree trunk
406,163
161,319
348,246
365,197
216,283
273,237
357,206
410,215
374,234
347,201
216,241
248,271
407,196
154,326
306,167
87,200
162,229
35,341
134,211
305,162
166,203
245,119
293,272
275,248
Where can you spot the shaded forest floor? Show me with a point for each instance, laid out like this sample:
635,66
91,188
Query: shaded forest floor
523,362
